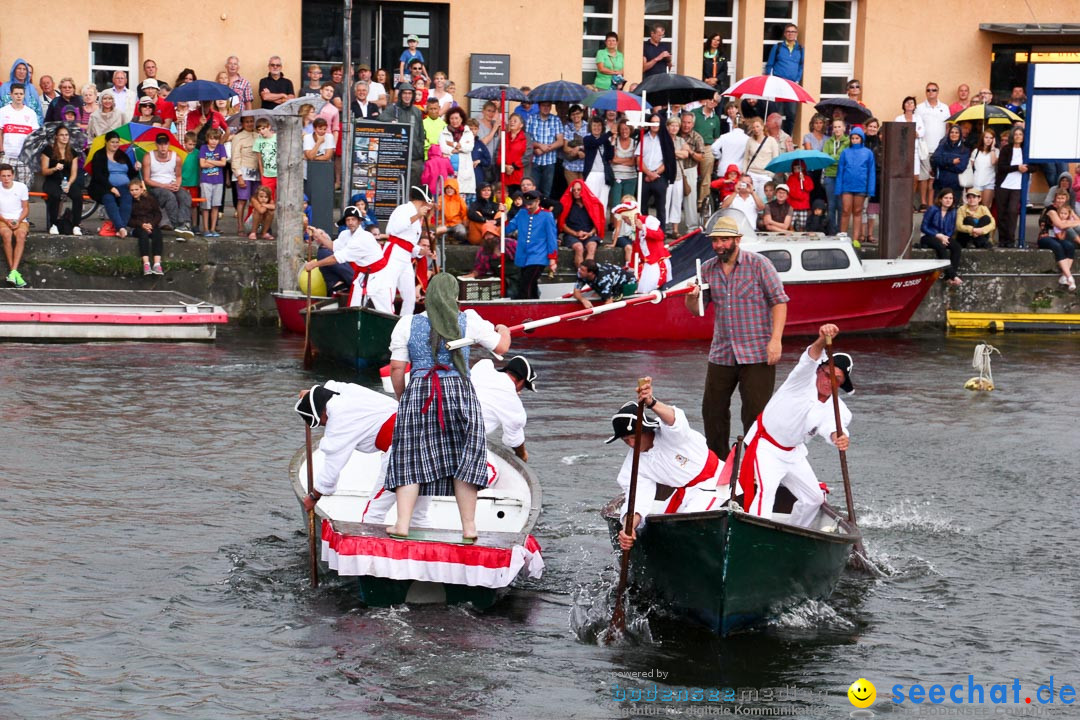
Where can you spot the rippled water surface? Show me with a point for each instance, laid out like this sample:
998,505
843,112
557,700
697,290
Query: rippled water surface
153,561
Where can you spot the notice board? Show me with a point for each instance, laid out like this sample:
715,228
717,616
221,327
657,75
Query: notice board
380,164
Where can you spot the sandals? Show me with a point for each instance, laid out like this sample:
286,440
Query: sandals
267,236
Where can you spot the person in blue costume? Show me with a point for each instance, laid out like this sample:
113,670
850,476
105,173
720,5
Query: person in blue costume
439,444
21,72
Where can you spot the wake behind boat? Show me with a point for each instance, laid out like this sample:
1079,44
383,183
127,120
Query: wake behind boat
434,567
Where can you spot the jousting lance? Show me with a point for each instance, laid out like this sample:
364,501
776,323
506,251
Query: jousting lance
655,297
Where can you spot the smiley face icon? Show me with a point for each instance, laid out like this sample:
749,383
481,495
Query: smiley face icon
862,693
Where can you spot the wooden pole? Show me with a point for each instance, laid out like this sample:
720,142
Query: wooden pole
312,540
290,194
502,193
861,561
309,355
346,107
618,617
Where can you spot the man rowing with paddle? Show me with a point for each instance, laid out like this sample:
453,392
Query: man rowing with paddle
672,454
398,276
354,246
776,443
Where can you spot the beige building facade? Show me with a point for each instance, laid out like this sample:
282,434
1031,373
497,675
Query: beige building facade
893,48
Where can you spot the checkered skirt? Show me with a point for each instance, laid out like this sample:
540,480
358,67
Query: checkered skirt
426,454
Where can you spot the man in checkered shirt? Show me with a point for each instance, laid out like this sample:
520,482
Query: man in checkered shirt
750,312
545,132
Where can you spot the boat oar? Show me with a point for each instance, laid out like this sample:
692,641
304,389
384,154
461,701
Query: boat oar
309,354
656,296
312,540
618,616
861,561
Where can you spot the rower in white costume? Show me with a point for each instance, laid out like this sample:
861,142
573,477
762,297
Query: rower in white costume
404,228
355,418
498,390
776,443
672,454
354,246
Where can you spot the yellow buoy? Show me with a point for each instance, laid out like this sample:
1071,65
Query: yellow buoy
979,383
318,284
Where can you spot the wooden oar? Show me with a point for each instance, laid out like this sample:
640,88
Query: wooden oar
312,540
861,561
309,354
618,617
656,296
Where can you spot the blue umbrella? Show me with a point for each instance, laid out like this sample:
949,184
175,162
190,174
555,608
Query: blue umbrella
495,92
201,90
558,91
614,100
814,160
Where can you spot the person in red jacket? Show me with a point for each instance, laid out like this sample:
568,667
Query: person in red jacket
650,254
581,221
516,145
726,185
799,186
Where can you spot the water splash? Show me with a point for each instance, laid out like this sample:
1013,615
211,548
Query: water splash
811,615
911,517
590,618
572,459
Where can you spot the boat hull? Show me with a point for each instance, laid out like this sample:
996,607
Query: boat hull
386,592
731,571
857,305
352,336
290,308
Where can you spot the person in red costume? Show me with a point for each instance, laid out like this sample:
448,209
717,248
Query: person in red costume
582,221
650,253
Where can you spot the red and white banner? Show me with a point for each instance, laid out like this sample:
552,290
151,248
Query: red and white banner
429,561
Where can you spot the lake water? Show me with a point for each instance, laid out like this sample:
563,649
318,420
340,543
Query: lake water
153,560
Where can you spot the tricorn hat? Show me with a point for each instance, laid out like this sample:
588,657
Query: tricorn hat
622,422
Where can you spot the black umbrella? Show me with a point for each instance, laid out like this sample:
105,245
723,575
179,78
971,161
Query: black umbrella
39,139
495,92
854,113
558,91
672,88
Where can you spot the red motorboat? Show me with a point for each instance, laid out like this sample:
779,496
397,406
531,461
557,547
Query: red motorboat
824,277
290,308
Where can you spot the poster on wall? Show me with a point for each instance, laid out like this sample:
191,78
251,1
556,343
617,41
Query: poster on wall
380,164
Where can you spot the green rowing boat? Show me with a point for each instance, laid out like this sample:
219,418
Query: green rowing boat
730,570
352,336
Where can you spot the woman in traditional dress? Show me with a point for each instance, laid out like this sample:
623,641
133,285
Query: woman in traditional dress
439,445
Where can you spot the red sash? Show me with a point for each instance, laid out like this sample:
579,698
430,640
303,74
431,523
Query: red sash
712,464
386,434
401,243
367,270
748,471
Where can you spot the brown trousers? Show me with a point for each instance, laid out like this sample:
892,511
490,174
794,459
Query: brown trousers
755,383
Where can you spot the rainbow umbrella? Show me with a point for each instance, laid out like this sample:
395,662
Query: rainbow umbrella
128,133
147,142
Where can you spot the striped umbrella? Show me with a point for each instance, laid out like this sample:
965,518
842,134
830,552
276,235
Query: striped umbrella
769,87
127,132
558,91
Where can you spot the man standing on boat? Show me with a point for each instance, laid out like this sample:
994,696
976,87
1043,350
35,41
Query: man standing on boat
776,442
398,276
672,454
648,246
751,309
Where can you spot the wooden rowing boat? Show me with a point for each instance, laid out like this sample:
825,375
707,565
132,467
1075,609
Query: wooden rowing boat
435,567
730,570
352,336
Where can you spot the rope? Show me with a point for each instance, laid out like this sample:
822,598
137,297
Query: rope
981,362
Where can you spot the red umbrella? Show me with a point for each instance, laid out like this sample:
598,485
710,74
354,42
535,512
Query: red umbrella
769,87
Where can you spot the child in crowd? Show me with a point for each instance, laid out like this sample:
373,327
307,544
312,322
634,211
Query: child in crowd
800,186
410,55
266,148
725,186
623,237
436,168
817,222
145,224
262,213
211,180
189,174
